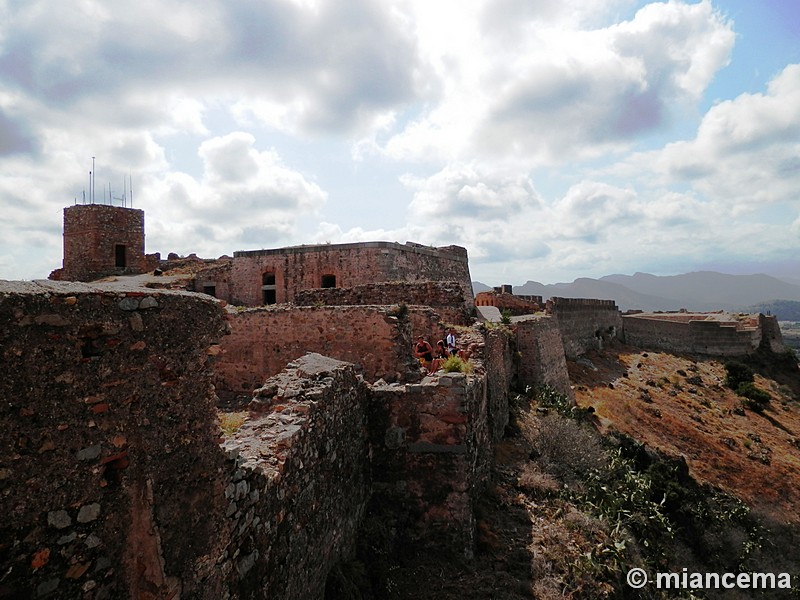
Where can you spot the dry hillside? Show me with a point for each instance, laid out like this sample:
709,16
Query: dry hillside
680,406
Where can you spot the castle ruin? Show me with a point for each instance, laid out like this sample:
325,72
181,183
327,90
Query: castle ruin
114,476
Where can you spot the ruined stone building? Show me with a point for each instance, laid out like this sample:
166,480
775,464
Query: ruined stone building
101,240
116,481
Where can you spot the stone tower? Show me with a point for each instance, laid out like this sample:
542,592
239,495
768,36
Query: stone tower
102,240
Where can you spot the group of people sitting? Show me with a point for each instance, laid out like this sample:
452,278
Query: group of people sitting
432,358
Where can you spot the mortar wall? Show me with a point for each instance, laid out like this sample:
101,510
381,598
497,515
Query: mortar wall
263,340
303,268
91,234
585,324
115,486
717,338
498,360
772,337
108,457
446,297
431,446
299,482
541,354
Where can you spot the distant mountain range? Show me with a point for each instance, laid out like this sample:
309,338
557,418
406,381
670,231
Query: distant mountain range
701,291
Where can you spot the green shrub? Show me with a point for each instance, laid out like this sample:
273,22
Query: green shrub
736,374
505,317
548,397
751,392
454,364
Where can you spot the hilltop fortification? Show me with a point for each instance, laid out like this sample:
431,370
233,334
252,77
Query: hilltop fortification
118,482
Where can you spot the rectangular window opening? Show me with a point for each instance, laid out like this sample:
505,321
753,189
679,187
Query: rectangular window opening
211,290
119,256
329,281
268,288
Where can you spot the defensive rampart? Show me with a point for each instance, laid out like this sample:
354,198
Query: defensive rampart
712,334
264,339
114,483
585,324
108,455
447,298
287,271
299,482
516,305
541,354
431,446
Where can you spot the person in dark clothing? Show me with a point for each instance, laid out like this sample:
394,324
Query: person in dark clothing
423,351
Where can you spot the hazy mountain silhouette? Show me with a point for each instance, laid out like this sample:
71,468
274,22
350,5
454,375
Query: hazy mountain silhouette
710,289
478,287
703,290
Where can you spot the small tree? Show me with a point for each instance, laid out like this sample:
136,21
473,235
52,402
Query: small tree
737,374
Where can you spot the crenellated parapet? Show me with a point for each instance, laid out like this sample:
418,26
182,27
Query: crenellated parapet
585,324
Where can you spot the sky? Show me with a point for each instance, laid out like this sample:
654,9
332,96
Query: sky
554,139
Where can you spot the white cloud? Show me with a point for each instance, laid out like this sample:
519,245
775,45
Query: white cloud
562,91
594,211
245,198
492,212
745,153
239,122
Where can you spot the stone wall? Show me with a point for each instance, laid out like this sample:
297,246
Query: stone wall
108,457
212,279
771,336
446,297
585,324
299,482
264,339
516,305
541,354
702,334
102,240
114,485
497,356
431,446
344,266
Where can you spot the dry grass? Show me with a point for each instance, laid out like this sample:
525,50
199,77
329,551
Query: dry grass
752,456
230,422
